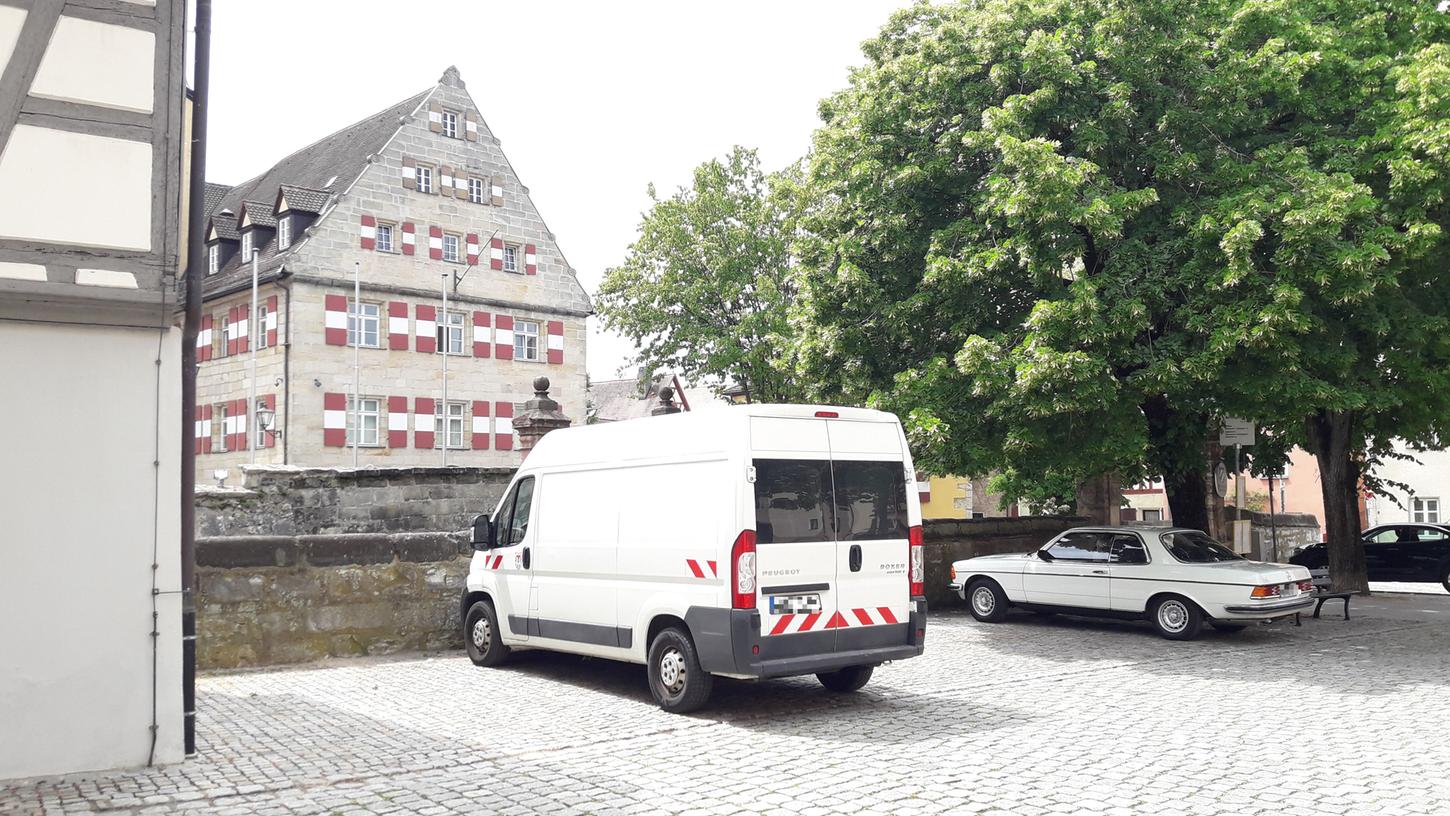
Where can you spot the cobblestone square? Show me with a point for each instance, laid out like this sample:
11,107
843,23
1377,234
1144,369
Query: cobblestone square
1032,716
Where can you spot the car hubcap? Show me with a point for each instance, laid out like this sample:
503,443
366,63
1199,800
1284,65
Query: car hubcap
983,601
672,671
482,634
1172,616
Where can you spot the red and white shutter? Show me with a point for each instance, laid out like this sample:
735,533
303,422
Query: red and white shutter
270,325
503,337
482,334
397,325
503,425
206,428
422,422
270,400
470,126
481,429
239,427
398,420
410,173
409,238
335,320
556,341
204,340
230,330
244,328
196,432
531,259
472,241
369,232
334,420
495,191
426,329
923,487
435,243
495,253
445,175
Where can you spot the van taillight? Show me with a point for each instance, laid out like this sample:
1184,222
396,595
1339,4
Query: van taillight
742,571
916,562
828,414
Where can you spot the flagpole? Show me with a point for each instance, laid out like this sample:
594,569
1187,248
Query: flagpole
444,336
252,336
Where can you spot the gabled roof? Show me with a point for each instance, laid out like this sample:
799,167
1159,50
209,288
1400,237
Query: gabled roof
258,214
214,194
618,400
302,199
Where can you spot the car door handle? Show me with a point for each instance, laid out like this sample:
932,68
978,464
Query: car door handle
526,558
1100,572
855,557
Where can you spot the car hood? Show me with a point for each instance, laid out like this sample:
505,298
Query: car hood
1257,572
998,558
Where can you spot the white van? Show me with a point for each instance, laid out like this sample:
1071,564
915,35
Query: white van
747,541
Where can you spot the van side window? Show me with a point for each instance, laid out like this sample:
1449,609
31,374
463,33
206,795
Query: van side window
513,514
792,500
870,500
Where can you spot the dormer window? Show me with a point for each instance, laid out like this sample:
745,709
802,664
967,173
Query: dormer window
247,246
213,259
450,124
284,232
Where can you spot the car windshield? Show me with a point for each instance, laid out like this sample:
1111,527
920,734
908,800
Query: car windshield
1193,547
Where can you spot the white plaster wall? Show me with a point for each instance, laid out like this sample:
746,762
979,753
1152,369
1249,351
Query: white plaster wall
71,71
75,188
1430,478
82,509
11,20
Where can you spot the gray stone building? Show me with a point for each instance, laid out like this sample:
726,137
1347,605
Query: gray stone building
412,200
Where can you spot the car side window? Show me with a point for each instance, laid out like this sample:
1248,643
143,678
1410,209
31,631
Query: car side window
1431,534
1386,536
1128,549
1093,547
523,503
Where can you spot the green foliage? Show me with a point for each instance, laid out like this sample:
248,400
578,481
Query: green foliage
1058,237
704,288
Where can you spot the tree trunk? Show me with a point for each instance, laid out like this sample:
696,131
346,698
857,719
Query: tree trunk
1332,433
1175,448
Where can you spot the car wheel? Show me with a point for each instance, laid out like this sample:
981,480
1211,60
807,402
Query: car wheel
676,680
1176,618
987,600
481,635
1225,626
1445,575
847,680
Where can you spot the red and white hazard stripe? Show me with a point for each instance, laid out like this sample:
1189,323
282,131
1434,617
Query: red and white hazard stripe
852,618
697,568
492,562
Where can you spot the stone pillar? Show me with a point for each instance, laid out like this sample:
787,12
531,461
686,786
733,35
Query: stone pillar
540,415
667,403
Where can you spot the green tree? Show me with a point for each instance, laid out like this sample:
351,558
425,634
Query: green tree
1062,238
704,287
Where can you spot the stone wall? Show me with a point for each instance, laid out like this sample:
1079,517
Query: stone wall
283,500
949,540
1290,529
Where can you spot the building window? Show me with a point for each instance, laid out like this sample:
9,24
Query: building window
475,190
450,333
284,232
219,427
1152,515
452,430
213,259
450,124
363,320
384,241
261,329
369,416
526,340
425,178
247,246
1425,511
450,247
510,258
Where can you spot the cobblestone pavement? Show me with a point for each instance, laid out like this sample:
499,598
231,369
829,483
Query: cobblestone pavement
1031,716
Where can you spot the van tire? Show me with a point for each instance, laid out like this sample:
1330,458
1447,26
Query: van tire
676,680
847,680
984,608
481,636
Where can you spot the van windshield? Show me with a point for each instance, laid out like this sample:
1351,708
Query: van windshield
814,500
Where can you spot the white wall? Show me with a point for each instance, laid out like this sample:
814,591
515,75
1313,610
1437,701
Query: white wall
83,508
1430,477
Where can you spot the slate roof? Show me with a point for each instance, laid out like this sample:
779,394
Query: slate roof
332,162
214,194
618,400
305,199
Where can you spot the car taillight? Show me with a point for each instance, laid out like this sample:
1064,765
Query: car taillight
916,561
742,571
1265,592
953,572
1306,586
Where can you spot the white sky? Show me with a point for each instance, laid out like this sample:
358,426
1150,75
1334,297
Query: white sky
592,100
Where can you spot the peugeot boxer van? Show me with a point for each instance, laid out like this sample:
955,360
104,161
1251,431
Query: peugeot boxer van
748,541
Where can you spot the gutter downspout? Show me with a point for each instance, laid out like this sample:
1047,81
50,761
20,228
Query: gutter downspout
286,359
195,262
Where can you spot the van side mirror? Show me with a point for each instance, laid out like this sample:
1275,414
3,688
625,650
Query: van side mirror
482,533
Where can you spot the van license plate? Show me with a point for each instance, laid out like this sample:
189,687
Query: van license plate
794,604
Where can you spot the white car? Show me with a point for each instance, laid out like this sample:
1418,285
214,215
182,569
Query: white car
1175,578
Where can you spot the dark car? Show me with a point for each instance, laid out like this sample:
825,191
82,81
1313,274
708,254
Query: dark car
1396,552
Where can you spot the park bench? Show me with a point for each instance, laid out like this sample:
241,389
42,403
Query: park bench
1323,593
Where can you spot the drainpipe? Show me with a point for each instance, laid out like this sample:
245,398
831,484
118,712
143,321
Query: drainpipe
286,360
195,262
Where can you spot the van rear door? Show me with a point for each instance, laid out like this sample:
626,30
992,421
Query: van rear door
872,522
795,545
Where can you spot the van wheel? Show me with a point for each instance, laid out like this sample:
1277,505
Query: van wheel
1176,617
676,680
987,600
849,679
481,636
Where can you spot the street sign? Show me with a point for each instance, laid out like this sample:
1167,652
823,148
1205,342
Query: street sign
1236,432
